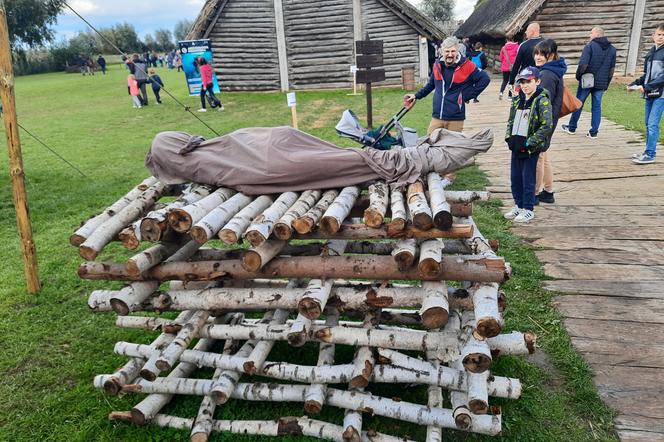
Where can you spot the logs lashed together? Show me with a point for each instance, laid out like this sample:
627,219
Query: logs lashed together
330,292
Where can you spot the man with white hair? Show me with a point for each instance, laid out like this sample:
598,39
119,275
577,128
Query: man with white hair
456,80
525,57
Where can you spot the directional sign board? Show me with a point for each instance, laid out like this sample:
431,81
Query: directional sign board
369,47
371,76
369,61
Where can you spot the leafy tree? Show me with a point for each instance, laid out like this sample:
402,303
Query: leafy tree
126,38
164,39
84,44
182,29
439,11
29,21
150,43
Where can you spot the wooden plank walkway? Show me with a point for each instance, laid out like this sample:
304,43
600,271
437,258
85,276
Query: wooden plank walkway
603,243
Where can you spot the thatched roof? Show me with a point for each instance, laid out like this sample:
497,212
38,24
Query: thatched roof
498,18
411,15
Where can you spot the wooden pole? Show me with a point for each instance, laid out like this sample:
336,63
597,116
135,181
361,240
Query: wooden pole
294,115
16,172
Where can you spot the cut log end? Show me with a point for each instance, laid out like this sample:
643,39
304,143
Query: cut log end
309,308
255,238
112,387
228,236
219,397
119,306
429,268
297,339
132,268
129,239
404,260
288,426
478,406
137,417
488,327
199,235
148,375
530,340
373,218
477,362
88,253
462,418
329,225
443,220
152,230
76,240
282,231
251,261
351,434
303,225
313,407
435,317
199,437
396,225
163,365
249,367
179,220
423,221
124,416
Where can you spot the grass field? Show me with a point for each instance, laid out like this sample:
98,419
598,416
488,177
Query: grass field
52,346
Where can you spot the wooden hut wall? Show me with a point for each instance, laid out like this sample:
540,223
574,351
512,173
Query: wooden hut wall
653,16
319,43
244,45
401,43
569,23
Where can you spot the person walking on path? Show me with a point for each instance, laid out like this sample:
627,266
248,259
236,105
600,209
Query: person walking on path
456,80
529,130
651,85
157,84
595,71
134,91
507,57
140,71
177,61
552,68
207,86
524,56
101,61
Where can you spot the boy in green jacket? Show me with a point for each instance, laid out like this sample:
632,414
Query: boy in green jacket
529,130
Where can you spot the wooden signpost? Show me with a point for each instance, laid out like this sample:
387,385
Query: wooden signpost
292,103
369,55
15,157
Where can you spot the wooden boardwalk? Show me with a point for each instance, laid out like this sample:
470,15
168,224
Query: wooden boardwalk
603,243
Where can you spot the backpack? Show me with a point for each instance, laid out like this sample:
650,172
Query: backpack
477,59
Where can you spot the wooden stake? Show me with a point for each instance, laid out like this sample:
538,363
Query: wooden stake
293,110
19,195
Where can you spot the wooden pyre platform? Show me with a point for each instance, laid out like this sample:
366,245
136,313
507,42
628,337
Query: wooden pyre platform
335,290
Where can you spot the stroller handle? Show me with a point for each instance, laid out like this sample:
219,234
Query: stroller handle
393,121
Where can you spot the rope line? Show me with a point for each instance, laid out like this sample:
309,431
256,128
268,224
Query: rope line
50,149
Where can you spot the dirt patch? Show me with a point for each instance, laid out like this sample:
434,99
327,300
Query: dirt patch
541,360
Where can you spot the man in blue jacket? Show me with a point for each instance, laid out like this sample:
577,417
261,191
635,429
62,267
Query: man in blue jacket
599,59
456,80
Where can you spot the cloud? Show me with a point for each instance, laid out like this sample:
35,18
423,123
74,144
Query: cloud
85,7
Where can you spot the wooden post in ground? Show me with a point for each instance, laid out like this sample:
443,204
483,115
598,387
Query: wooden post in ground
15,157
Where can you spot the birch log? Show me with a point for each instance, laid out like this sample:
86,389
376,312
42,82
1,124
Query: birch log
489,321
466,196
210,224
130,237
132,296
170,354
463,418
434,400
283,228
255,258
258,356
262,226
418,207
155,224
352,426
378,201
234,229
431,257
435,306
478,393
314,396
515,343
307,222
299,330
182,219
350,231
440,208
315,298
150,257
398,210
104,233
363,364
335,215
83,232
404,253
476,355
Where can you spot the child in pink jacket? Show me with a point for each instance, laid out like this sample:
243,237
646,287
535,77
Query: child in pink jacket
134,91
507,57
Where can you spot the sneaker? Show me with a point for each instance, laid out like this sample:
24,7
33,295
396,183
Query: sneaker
637,155
565,128
221,107
589,135
643,159
500,96
202,110
475,100
525,216
513,213
545,197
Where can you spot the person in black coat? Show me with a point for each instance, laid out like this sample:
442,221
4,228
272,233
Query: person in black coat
599,59
524,58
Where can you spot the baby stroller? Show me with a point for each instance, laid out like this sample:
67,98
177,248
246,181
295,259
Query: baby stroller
349,126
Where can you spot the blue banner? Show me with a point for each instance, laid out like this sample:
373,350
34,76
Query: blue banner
190,51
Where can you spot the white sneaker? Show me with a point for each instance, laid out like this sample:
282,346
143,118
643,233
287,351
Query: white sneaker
221,108
513,213
202,110
636,155
500,96
524,216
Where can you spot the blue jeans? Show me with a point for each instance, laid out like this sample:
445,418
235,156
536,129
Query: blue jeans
654,111
522,175
596,110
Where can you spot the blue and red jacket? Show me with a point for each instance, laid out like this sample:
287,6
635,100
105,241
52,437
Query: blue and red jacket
454,86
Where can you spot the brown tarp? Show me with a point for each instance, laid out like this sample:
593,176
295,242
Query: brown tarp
261,160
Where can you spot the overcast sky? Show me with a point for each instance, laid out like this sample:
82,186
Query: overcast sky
149,15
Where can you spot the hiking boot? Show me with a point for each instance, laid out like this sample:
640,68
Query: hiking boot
590,135
643,159
565,128
545,197
513,213
525,216
202,110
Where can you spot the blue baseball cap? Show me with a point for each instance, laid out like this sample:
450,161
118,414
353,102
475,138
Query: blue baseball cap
528,74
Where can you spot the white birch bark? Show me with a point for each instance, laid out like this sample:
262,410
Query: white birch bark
170,354
130,236
340,208
434,400
307,222
208,226
107,231
299,330
478,392
399,216
352,426
233,230
489,321
404,253
150,257
256,359
418,208
515,343
83,232
431,256
463,418
440,208
315,298
132,296
256,257
476,355
314,396
283,228
262,226
466,196
435,306
182,219
379,198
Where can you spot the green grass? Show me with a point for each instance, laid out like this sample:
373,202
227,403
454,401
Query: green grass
52,346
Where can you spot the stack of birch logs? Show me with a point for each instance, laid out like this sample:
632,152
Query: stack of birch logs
361,267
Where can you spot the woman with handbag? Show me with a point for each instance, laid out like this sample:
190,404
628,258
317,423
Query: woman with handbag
552,68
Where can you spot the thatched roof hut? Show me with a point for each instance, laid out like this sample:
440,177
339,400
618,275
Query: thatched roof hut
286,44
627,23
